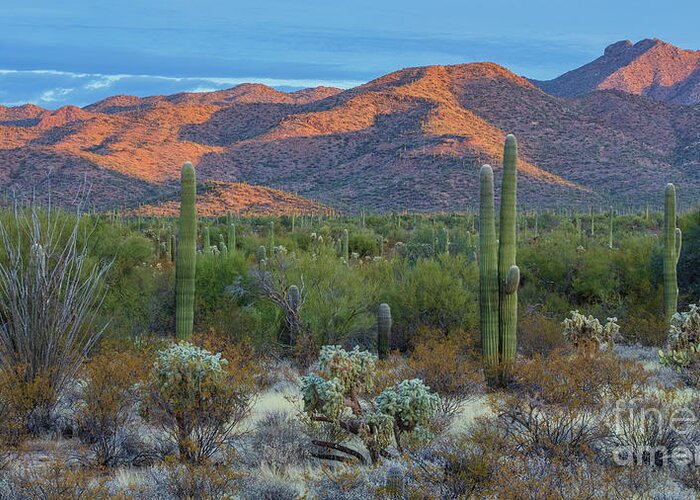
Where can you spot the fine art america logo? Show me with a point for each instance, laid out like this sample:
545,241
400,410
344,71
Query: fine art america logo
656,435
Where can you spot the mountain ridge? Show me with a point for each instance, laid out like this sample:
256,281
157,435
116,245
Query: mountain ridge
650,67
413,139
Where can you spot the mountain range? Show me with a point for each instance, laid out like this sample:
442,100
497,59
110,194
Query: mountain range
611,132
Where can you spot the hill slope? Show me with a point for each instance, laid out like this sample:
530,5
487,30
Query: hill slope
216,198
650,67
413,139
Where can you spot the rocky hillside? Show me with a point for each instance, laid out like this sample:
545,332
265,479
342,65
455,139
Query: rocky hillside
650,67
413,139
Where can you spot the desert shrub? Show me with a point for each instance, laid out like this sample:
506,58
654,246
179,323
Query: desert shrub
106,406
279,441
536,477
58,481
683,353
538,334
50,295
197,399
645,430
437,294
338,299
194,481
269,487
586,332
363,243
560,403
461,466
689,260
333,396
450,367
645,329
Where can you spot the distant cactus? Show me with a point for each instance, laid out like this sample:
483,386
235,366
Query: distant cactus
592,222
272,236
232,237
383,330
169,249
223,249
294,297
173,248
672,252
206,241
610,229
261,255
186,254
499,276
346,246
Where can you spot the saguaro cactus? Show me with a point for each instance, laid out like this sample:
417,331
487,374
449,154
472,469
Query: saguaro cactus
672,252
383,330
508,272
499,276
186,254
488,271
610,229
206,241
272,237
346,246
261,255
232,237
173,246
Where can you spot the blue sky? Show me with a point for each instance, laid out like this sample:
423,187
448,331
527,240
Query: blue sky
54,53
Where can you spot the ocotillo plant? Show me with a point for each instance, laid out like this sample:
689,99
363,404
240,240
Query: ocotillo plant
232,237
346,246
383,330
499,276
186,254
672,252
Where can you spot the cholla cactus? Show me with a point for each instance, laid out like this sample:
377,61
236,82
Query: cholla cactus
583,330
685,328
333,395
354,369
683,340
183,369
411,404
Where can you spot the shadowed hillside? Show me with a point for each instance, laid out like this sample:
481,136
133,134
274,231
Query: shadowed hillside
413,139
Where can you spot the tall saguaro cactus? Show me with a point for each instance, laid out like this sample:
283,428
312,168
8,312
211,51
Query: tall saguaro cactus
488,271
672,252
186,253
383,330
499,275
508,272
610,229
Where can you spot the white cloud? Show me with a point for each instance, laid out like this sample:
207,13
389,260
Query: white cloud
54,95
